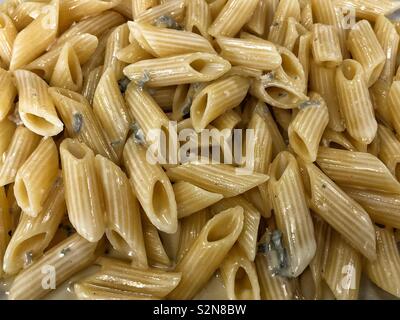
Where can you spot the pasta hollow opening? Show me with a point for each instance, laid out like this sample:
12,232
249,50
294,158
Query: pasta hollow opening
289,66
204,67
199,109
160,201
39,122
281,165
397,171
39,72
23,196
300,145
118,242
77,151
219,230
243,287
29,245
349,71
281,95
74,68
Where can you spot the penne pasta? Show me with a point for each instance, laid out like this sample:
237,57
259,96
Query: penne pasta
170,10
85,208
164,42
191,199
257,23
110,109
216,99
133,53
208,251
326,46
366,49
36,176
205,176
34,234
384,271
91,82
36,108
389,151
152,187
7,129
6,227
188,68
141,6
260,55
341,212
41,32
247,240
22,144
81,122
198,17
240,276
291,213
369,9
380,206
306,129
59,263
67,72
343,269
336,140
232,18
122,216
366,171
355,103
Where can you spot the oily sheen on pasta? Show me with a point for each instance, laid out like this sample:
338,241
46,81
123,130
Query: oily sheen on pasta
199,149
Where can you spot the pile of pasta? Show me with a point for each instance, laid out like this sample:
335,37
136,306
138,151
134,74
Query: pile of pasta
84,82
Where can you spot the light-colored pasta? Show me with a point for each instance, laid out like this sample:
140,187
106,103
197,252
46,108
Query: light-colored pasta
247,240
323,81
64,260
86,207
389,40
229,184
35,178
91,82
155,250
164,42
173,9
216,99
366,49
240,276
41,32
5,222
33,234
121,276
67,72
334,139
291,213
152,187
191,199
229,120
257,23
122,215
133,53
261,55
191,227
343,268
365,170
21,12
118,40
110,109
381,206
7,93
36,108
84,45
208,251
187,68
369,9
389,151
326,46
164,97
198,17
306,129
141,6
355,103
232,18
22,144
88,291
304,53
81,122
385,270
7,129
340,211
394,106
8,33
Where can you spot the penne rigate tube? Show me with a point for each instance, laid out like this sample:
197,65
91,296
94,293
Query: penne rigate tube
36,108
8,33
67,258
35,178
366,49
198,17
260,55
326,46
355,102
33,234
152,187
85,208
6,227
187,68
340,211
292,215
207,252
122,214
7,93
